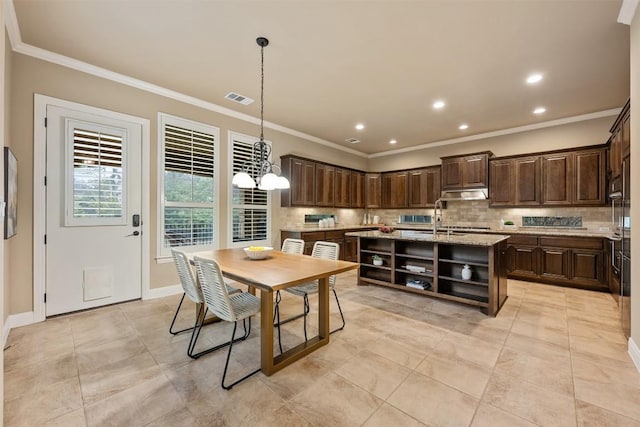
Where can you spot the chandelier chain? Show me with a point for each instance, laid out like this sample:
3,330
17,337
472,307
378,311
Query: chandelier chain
261,93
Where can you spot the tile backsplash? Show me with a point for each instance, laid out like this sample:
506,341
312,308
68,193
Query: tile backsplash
471,213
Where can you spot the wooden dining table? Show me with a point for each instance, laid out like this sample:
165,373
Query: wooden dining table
277,272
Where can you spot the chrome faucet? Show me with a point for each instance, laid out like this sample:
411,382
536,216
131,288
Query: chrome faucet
436,206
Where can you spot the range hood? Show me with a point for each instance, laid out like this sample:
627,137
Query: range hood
470,194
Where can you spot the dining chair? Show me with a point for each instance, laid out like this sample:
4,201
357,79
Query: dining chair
326,250
191,288
292,246
228,307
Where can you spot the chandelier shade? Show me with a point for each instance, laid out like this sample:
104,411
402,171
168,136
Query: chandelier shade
259,170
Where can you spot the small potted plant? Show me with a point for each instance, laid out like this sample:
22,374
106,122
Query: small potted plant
377,260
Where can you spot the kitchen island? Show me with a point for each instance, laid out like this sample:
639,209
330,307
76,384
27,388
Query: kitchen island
466,268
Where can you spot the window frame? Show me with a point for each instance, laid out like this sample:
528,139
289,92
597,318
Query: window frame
248,139
168,119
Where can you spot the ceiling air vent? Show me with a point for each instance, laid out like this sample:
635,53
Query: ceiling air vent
352,140
236,97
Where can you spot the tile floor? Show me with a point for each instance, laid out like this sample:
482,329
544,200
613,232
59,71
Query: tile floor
552,357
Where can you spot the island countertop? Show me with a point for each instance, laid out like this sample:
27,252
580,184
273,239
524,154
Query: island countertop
472,239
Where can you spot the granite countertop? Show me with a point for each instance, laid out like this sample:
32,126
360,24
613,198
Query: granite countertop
472,239
306,228
541,231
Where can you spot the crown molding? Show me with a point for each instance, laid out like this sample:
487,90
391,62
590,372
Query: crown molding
542,125
627,11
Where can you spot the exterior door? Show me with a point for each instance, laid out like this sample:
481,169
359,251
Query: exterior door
94,201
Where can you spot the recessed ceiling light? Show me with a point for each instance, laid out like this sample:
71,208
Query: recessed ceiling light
463,126
438,105
393,141
539,110
359,126
534,78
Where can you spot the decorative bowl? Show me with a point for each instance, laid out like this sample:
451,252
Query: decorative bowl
385,229
258,252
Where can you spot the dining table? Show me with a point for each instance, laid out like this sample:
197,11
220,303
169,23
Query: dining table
279,271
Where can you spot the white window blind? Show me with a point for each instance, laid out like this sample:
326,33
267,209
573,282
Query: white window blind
249,207
97,174
189,177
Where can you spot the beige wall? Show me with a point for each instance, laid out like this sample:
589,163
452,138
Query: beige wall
7,140
4,95
589,132
31,76
635,177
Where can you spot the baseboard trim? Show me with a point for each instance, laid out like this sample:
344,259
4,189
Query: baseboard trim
15,321
165,291
634,352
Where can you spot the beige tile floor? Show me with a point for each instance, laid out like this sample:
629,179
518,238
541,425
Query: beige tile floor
552,357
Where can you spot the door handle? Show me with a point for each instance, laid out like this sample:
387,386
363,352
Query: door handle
135,233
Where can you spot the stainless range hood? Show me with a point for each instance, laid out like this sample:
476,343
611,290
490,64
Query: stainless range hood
470,194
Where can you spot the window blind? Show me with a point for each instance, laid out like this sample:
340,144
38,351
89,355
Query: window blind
97,174
250,219
189,177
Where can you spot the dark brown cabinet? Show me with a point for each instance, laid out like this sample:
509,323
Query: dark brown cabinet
589,177
325,175
569,261
424,187
460,172
373,190
523,256
557,173
554,263
357,189
301,174
514,182
395,188
620,141
342,188
321,184
348,245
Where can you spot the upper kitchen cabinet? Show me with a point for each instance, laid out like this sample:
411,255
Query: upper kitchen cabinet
589,177
575,178
424,187
357,189
373,190
557,178
301,174
460,172
342,188
395,188
514,181
620,142
325,176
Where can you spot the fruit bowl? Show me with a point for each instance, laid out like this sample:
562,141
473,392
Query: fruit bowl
258,252
385,229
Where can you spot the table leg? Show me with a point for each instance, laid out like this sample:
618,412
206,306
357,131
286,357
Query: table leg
269,364
266,332
323,308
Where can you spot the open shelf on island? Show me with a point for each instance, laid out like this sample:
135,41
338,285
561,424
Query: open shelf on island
438,265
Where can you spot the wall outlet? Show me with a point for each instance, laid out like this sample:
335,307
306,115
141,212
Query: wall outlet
604,229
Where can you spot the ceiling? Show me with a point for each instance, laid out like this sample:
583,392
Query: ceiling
332,64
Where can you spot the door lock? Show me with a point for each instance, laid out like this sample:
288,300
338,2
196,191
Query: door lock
135,233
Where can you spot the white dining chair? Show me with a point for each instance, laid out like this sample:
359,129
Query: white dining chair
326,250
228,307
191,288
291,246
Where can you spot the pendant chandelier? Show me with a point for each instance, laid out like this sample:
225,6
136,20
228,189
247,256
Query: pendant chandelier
260,166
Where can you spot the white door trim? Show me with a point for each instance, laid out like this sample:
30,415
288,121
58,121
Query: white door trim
39,193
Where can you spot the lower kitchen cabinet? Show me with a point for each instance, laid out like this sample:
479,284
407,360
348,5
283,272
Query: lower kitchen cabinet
565,261
348,245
